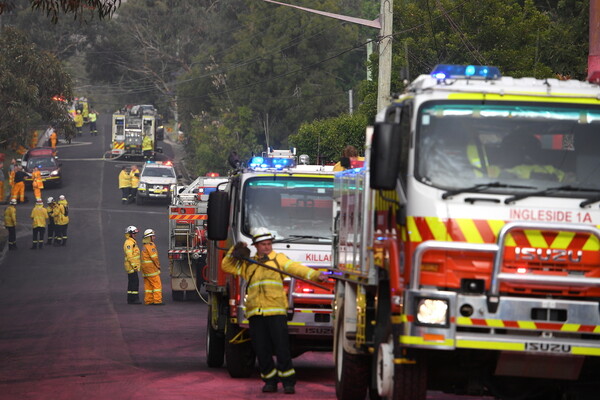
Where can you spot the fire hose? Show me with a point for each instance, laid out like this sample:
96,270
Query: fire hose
300,278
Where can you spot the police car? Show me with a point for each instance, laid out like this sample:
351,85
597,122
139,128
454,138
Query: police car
156,179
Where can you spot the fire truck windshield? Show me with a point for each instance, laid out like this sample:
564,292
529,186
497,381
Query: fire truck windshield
517,146
289,206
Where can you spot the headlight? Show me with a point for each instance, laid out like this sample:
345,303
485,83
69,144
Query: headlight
142,185
55,172
432,311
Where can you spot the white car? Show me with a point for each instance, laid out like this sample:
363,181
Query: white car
156,179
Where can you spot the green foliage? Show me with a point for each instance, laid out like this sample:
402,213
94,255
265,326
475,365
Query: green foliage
539,38
323,140
284,65
248,66
212,141
63,38
145,48
522,38
29,80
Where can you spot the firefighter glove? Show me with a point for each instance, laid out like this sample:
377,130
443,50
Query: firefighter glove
240,251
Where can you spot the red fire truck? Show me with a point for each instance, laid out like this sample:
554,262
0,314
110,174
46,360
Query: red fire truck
187,236
294,201
468,246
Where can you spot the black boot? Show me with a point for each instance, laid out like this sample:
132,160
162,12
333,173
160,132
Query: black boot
64,242
41,245
57,242
34,246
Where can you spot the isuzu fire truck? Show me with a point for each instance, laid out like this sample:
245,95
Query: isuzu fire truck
294,201
187,235
468,246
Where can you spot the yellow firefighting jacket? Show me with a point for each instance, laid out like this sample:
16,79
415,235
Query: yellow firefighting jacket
266,294
147,143
135,180
10,216
132,254
59,215
78,120
150,262
124,179
65,214
50,210
39,216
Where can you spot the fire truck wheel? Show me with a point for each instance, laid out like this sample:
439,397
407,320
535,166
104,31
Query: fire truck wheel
410,381
352,370
239,356
215,344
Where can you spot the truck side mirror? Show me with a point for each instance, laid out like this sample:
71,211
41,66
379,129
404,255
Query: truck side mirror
218,215
385,156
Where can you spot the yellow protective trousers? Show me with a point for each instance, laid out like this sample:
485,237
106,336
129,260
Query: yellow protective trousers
152,289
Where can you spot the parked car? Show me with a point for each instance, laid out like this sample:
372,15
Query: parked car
156,179
47,163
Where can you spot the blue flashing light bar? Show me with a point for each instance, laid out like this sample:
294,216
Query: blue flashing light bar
271,163
449,71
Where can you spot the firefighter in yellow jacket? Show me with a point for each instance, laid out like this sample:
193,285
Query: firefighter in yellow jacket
63,221
151,270
124,184
60,224
78,123
10,222
147,146
134,175
39,217
266,305
132,265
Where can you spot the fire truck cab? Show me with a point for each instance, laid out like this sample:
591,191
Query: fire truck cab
468,246
293,201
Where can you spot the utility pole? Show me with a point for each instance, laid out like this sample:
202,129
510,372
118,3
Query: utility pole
385,54
384,24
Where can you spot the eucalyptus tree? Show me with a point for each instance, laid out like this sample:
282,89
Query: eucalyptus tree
32,86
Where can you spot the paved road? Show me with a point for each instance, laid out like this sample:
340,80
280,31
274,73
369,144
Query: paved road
66,331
